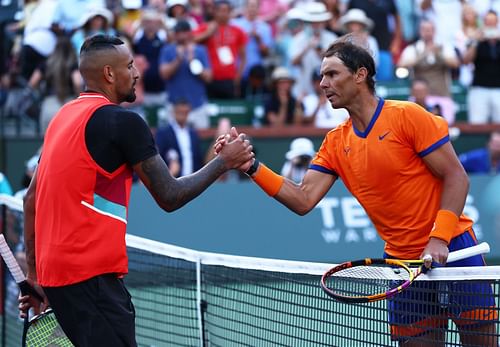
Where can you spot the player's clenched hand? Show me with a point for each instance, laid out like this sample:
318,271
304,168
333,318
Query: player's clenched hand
28,301
437,249
225,138
236,152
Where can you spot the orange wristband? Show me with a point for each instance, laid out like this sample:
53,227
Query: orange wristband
444,225
269,181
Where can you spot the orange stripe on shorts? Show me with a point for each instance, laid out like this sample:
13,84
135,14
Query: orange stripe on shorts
417,328
479,315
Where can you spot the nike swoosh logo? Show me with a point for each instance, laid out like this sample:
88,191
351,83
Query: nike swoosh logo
381,137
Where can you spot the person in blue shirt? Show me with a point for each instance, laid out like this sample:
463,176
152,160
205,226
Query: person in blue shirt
483,160
184,66
260,38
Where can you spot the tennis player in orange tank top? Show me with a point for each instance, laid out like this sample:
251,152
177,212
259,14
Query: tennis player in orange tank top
397,160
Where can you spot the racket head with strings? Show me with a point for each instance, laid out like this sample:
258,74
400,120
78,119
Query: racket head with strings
370,280
41,328
367,280
44,330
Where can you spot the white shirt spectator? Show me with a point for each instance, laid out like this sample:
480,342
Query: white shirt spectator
184,141
37,33
311,59
326,116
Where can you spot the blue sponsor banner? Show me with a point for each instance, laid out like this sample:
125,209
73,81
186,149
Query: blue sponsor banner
238,218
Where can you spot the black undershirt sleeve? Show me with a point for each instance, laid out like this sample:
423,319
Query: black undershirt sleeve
115,136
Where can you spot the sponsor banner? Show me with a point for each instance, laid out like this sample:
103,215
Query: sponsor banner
240,219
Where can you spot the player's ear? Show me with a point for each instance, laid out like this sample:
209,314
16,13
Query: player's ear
361,74
109,74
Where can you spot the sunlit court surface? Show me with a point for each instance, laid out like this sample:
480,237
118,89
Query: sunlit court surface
184,297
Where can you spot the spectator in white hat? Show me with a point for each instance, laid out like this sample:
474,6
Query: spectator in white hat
179,10
318,111
298,159
356,22
96,20
386,30
282,108
68,14
307,47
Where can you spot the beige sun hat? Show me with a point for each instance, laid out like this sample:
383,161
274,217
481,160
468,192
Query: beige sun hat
294,14
315,12
281,73
356,15
94,12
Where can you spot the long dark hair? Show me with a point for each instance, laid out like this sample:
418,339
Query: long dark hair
60,65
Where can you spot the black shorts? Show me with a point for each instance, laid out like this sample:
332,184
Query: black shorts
96,312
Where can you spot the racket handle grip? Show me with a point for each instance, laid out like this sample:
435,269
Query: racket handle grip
27,289
464,253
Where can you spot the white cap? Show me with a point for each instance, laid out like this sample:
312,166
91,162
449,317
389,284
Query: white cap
172,3
358,16
294,13
300,146
96,11
131,4
315,12
281,73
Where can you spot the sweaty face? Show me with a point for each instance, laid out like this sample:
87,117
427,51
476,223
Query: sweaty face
126,75
337,82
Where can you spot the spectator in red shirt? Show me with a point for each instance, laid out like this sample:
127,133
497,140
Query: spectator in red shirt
226,50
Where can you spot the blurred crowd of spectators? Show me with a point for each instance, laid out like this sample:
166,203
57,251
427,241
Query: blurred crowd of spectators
267,53
264,51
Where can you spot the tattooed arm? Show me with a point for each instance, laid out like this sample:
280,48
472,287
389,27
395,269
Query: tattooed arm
172,193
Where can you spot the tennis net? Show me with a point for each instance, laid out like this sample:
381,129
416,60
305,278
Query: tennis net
190,298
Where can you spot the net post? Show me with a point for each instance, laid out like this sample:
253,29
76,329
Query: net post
199,304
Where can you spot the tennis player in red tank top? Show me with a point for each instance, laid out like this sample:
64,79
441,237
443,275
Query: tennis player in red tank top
76,209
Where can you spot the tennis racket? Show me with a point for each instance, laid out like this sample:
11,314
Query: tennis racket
369,280
43,329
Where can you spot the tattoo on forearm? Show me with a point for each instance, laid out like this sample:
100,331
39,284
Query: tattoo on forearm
173,193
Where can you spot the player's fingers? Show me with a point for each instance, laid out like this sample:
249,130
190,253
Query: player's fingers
234,132
23,298
427,258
